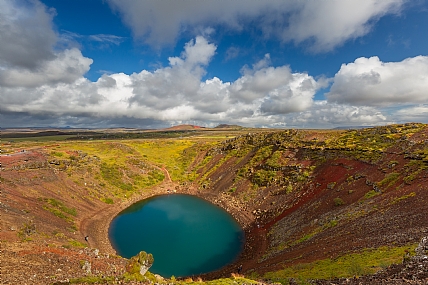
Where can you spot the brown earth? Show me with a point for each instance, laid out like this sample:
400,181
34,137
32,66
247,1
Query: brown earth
37,246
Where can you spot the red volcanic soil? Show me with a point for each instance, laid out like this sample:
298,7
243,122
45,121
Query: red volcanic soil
344,206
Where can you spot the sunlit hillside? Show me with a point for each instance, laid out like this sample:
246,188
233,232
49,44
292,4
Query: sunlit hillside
314,204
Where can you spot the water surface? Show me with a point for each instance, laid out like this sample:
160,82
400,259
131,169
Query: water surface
186,235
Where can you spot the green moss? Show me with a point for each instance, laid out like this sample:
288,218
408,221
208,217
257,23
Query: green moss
232,190
368,261
389,180
57,154
331,185
398,199
61,207
108,200
338,201
371,194
27,229
230,281
263,177
274,160
75,243
92,280
60,210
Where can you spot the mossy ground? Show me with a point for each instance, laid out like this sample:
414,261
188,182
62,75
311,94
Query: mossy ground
367,185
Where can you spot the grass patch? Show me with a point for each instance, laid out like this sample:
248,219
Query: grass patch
42,138
57,154
263,177
357,264
108,200
60,210
60,206
398,199
75,243
91,280
389,180
27,229
113,175
371,194
176,155
338,201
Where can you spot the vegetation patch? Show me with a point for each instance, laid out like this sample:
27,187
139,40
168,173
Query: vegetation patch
75,243
91,280
175,155
108,200
112,174
404,197
338,201
389,180
263,177
370,194
60,210
357,264
27,229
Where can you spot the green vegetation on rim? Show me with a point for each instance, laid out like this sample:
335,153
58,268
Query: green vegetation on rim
368,261
271,174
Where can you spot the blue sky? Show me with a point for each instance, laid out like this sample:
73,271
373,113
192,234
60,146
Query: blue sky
151,64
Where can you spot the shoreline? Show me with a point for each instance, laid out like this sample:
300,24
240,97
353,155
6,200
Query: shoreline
96,227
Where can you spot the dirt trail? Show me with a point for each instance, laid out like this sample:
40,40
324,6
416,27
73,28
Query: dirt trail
166,173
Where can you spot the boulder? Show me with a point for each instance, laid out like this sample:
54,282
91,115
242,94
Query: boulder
140,263
422,249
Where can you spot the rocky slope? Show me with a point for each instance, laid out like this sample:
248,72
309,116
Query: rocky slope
302,196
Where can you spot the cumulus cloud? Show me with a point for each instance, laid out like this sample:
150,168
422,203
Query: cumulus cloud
417,113
371,82
26,34
42,84
324,24
175,93
327,24
326,115
66,66
27,55
275,89
177,83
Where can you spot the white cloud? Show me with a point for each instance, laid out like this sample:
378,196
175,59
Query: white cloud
172,93
371,82
232,53
26,34
327,24
27,55
326,115
176,84
47,84
418,113
274,90
177,89
109,39
324,24
213,97
66,67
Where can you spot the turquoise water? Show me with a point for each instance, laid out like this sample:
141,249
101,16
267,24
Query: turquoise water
186,235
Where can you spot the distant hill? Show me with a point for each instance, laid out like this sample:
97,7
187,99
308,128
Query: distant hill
183,128
226,126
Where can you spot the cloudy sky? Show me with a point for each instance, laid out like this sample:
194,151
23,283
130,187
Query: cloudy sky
274,63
